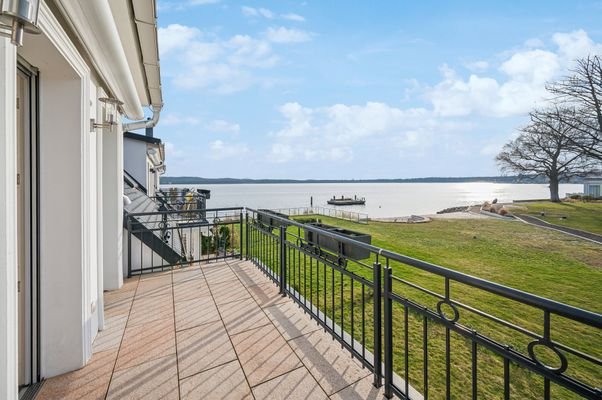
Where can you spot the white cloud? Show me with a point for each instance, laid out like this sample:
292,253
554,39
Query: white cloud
534,43
287,35
252,12
246,51
202,2
222,126
176,36
220,150
329,133
172,152
525,73
576,44
257,12
171,119
293,17
195,60
478,66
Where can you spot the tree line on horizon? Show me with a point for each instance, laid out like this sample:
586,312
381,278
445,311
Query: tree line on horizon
193,180
562,139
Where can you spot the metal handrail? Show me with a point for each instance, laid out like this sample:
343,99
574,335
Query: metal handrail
285,258
543,303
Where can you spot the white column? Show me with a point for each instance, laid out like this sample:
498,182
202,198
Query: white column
112,194
8,222
99,218
65,237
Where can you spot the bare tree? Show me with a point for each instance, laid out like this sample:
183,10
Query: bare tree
582,92
546,147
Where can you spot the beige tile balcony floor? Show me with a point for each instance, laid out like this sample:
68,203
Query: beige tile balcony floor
215,331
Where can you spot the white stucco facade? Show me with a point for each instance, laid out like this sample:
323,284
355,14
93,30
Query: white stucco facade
78,181
144,160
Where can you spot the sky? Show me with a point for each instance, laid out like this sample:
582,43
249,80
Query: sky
358,90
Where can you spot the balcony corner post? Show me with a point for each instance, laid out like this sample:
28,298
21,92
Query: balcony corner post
283,260
246,235
241,236
388,333
376,270
129,228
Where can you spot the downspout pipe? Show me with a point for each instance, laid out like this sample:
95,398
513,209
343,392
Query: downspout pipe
147,123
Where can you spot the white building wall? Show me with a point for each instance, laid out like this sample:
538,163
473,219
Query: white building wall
68,223
134,160
112,194
8,223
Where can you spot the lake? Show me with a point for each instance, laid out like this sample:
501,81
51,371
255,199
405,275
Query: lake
382,199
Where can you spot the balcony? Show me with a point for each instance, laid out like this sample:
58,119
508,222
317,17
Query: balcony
257,310
218,331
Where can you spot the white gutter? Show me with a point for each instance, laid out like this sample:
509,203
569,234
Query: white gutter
95,25
148,123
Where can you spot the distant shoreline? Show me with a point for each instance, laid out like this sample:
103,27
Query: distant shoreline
187,180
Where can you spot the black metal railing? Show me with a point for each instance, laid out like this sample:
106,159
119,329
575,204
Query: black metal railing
163,239
426,331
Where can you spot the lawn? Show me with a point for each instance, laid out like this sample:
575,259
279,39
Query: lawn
586,216
542,262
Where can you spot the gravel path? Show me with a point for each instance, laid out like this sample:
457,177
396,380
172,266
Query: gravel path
575,232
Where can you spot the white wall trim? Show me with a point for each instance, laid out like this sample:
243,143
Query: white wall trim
8,223
53,30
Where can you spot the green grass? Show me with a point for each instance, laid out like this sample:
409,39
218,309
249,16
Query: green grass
542,262
586,216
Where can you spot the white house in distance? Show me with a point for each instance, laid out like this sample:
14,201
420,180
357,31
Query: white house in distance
64,92
144,160
592,186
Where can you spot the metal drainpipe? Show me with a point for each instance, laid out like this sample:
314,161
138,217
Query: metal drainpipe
147,123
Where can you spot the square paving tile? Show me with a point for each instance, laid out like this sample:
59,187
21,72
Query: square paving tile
89,382
110,337
264,354
117,297
361,390
130,283
226,381
154,287
190,289
267,294
295,385
250,278
191,313
202,348
146,342
226,292
217,275
187,274
332,366
156,379
290,320
151,308
239,316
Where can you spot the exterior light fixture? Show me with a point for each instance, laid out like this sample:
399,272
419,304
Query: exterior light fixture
18,16
112,108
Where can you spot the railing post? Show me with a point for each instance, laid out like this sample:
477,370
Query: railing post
240,255
283,260
388,334
129,228
246,235
376,271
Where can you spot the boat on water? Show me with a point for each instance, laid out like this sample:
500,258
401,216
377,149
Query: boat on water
346,201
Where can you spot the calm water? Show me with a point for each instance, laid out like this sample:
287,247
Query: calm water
382,199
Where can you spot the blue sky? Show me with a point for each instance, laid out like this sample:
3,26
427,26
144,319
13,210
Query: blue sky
352,90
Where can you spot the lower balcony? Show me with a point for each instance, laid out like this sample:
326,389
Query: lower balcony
220,330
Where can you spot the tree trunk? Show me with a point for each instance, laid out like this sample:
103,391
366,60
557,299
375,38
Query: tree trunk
554,189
